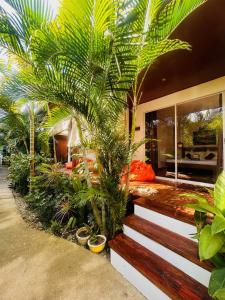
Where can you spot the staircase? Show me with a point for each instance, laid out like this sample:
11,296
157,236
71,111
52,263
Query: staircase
157,254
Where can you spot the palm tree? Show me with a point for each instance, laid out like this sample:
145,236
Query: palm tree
93,53
14,124
20,110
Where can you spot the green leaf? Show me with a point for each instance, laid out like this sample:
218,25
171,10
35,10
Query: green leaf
220,294
204,208
210,244
219,192
217,284
197,197
218,224
211,192
218,260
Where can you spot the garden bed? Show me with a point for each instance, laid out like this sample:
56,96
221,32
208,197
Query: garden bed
33,221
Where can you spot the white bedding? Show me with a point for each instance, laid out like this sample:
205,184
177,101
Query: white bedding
194,162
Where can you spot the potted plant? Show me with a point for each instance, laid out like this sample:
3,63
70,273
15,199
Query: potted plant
97,243
82,235
211,234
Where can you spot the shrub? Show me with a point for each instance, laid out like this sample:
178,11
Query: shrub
55,227
55,195
19,172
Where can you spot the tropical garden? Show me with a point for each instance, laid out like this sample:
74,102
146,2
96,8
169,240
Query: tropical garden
87,63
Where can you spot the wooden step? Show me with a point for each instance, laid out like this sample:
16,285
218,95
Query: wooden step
175,242
143,209
180,213
173,210
172,281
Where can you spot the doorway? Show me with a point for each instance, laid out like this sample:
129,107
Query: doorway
186,140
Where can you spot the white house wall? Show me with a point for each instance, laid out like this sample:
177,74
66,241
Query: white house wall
193,93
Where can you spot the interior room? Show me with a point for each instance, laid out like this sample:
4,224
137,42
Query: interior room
198,138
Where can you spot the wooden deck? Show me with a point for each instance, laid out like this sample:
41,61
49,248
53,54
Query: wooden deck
163,196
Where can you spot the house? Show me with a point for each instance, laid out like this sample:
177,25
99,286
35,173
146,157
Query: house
182,113
182,106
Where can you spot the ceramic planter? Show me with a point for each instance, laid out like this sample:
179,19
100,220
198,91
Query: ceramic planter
97,248
82,236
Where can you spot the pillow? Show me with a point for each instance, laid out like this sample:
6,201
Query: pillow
210,156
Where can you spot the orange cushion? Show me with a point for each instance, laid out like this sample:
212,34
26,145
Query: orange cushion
69,165
141,171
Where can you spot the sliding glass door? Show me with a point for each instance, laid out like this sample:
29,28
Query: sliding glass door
160,129
191,151
200,139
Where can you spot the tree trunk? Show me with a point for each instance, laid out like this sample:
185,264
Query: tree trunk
131,142
32,140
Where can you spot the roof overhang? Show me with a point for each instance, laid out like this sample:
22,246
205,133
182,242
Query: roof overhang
204,29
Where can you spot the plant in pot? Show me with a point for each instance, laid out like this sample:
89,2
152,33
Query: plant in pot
97,243
83,234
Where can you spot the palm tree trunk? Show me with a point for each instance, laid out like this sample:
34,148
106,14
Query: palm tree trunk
104,230
132,135
32,139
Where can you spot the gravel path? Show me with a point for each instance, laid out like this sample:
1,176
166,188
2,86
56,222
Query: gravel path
35,265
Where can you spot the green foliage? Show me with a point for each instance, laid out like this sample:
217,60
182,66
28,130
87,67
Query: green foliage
99,51
89,58
70,224
219,193
47,191
19,171
55,196
209,243
212,236
14,125
58,228
55,227
218,225
217,284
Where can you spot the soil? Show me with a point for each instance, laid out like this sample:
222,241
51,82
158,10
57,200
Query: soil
99,241
84,234
26,213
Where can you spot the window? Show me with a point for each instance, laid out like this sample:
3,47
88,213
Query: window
199,140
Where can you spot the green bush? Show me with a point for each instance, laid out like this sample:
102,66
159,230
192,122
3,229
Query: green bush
54,197
19,172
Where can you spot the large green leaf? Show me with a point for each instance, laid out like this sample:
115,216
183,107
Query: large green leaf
204,208
197,197
220,294
219,193
217,284
210,244
218,260
218,224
